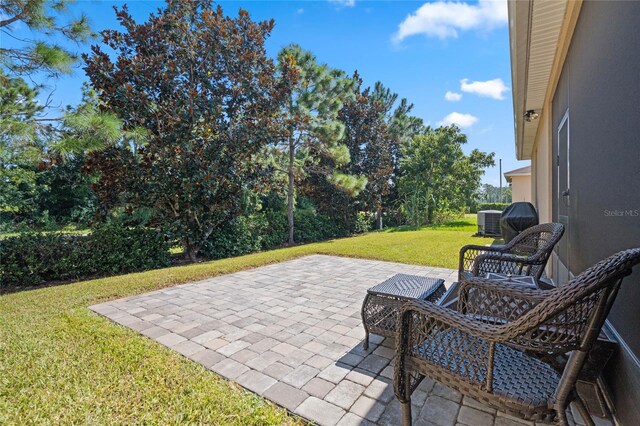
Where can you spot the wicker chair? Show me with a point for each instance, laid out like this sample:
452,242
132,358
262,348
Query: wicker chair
486,348
526,254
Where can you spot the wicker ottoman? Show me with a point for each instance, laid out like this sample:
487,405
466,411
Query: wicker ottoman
380,306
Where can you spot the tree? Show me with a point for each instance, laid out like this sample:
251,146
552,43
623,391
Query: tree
34,142
18,108
23,57
64,191
44,18
21,150
491,194
437,175
315,95
65,187
39,162
88,128
201,83
370,144
401,128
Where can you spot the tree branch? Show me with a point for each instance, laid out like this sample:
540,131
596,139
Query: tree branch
48,119
10,21
297,141
279,169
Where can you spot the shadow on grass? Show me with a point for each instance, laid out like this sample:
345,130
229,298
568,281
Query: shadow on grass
456,225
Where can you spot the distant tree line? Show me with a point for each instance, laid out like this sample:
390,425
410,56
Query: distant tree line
190,128
494,194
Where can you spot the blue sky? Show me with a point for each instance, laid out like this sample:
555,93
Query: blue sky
421,50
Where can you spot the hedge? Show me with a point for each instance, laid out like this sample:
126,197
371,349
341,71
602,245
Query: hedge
242,235
31,259
310,226
492,206
267,230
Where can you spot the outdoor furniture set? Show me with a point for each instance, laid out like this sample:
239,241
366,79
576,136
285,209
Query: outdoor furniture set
503,336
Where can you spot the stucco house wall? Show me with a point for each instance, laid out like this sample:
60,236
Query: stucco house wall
520,180
585,150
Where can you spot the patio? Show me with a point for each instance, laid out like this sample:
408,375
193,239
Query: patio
291,332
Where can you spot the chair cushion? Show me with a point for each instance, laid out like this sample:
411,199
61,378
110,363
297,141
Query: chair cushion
517,377
522,378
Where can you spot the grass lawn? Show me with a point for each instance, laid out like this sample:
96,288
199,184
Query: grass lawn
62,364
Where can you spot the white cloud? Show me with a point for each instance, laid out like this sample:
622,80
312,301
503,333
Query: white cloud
459,119
344,3
300,11
491,88
445,19
452,96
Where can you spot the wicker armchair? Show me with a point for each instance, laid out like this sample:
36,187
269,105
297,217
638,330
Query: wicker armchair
526,254
487,348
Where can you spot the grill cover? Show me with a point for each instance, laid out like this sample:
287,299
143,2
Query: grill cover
516,218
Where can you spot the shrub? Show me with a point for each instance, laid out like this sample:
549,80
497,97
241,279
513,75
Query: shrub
414,209
446,216
32,259
392,217
492,206
311,226
277,229
242,235
266,230
364,222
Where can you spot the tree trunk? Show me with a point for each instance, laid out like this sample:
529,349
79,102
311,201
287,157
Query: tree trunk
290,191
190,251
379,218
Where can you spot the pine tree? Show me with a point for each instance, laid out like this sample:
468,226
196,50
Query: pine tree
21,150
315,95
46,19
370,144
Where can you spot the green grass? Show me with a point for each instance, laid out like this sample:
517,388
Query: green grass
62,364
433,246
176,250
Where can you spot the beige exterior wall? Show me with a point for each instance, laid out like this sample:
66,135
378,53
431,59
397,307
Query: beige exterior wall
541,163
542,153
542,177
521,188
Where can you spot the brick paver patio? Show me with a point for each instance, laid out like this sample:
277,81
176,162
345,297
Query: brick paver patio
292,332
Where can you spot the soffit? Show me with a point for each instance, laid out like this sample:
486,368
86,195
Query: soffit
534,27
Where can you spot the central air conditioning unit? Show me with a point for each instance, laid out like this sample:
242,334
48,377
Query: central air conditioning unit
489,223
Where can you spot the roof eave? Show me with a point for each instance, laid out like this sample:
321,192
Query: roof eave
534,32
519,12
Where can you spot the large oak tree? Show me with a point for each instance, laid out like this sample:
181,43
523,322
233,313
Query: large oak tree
202,85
